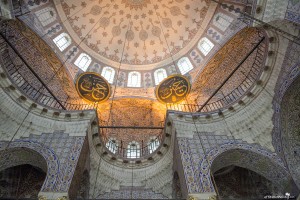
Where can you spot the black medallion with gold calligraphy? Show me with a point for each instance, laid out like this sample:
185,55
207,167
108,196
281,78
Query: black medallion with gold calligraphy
173,89
92,87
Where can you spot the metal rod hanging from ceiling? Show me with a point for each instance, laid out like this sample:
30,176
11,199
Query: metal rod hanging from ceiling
230,75
32,71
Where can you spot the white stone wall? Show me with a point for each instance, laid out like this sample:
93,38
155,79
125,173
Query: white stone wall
250,121
108,175
61,132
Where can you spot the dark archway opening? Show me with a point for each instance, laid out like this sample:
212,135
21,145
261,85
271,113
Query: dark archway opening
235,182
290,129
21,182
177,194
83,192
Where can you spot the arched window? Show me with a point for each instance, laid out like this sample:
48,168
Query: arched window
205,46
222,21
133,150
108,73
159,75
153,144
134,79
62,41
83,61
112,145
184,65
46,16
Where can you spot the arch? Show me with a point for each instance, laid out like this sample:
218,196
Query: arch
134,79
83,61
184,65
252,157
46,15
290,129
38,152
109,74
62,41
159,75
250,184
21,182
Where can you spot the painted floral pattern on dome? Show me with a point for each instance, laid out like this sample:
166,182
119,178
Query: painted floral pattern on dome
148,31
136,4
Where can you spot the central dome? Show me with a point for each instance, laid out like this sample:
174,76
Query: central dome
140,34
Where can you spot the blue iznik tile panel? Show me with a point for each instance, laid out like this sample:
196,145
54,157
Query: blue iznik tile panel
61,153
284,145
293,11
199,153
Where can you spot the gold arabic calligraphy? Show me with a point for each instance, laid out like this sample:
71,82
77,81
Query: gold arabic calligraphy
93,87
177,87
173,90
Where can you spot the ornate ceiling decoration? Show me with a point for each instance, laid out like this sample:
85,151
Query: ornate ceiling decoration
136,4
41,59
223,63
154,29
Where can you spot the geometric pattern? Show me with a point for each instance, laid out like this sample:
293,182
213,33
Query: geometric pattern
50,157
60,151
148,31
282,142
198,156
293,11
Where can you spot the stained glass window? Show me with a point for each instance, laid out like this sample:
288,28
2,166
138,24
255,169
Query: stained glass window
83,61
205,46
159,75
134,79
133,150
184,65
62,41
108,73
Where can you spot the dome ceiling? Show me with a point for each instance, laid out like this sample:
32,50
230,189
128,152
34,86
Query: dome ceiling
154,29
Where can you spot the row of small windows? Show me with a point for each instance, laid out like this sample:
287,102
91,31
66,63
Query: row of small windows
134,78
133,148
83,61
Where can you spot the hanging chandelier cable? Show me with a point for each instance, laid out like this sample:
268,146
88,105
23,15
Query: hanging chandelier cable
110,114
205,157
77,45
112,100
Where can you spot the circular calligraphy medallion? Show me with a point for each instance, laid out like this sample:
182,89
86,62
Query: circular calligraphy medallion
173,89
92,87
